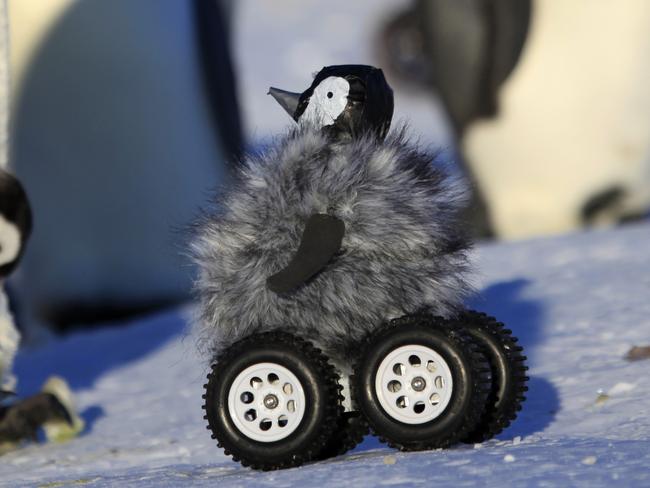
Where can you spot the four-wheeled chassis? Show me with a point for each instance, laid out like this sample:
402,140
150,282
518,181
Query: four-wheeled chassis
275,400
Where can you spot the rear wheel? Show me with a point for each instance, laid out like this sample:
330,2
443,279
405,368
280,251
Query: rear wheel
350,432
507,364
272,401
421,383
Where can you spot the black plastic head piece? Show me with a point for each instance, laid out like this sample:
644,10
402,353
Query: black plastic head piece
345,100
15,222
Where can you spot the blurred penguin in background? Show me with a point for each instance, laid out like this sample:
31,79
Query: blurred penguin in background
52,408
463,51
124,117
549,103
15,228
20,419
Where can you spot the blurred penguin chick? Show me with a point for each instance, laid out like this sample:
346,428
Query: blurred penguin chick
15,228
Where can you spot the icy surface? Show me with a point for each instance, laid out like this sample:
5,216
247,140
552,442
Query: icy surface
577,302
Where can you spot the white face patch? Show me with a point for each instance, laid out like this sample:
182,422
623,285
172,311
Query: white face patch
9,241
327,102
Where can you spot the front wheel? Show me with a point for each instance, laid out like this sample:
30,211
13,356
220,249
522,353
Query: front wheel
272,401
421,383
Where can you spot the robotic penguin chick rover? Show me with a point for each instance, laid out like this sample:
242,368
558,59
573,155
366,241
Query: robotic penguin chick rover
335,269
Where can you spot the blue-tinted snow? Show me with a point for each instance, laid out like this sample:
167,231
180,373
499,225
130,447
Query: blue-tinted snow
578,302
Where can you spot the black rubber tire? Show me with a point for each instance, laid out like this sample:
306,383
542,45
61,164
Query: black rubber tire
470,372
350,432
508,366
322,395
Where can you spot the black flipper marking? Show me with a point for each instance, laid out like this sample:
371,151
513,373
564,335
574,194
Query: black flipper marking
321,240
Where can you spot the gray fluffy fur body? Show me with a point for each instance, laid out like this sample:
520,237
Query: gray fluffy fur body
403,249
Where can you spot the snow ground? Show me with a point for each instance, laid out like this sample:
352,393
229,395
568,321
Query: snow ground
577,302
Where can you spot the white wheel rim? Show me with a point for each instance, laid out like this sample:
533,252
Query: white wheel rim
266,402
413,384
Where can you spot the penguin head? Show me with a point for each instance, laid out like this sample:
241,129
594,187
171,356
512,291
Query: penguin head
346,101
15,222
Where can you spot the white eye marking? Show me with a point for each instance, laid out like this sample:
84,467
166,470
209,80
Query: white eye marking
327,102
9,241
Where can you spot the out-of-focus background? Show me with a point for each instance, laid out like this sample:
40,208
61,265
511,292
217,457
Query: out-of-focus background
126,115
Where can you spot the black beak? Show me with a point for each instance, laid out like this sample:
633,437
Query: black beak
288,100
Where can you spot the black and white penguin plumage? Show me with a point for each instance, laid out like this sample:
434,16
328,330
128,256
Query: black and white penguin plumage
15,228
52,408
15,222
335,229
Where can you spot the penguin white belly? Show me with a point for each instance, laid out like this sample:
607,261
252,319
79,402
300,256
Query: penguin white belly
574,120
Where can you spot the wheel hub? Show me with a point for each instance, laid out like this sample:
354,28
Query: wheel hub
266,402
418,383
270,401
413,384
